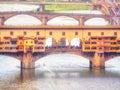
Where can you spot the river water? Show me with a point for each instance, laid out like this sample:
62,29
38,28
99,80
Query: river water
58,72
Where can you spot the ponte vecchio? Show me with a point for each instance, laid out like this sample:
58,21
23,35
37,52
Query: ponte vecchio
28,43
98,43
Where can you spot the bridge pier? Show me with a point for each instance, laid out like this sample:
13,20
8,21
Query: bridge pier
44,21
81,21
2,20
42,8
27,62
98,60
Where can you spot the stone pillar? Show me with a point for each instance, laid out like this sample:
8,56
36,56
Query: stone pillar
2,20
26,74
90,66
102,61
98,60
44,21
81,21
42,8
27,62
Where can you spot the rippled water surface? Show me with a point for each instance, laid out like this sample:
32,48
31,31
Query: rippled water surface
58,72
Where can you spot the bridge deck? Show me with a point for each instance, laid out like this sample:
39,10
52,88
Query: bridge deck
60,27
45,3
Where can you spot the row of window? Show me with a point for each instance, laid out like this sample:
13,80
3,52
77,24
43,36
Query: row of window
38,33
94,48
11,48
102,33
112,43
63,33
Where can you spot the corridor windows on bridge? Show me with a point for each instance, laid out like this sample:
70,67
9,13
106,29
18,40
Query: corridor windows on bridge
102,33
37,33
115,33
11,33
24,33
89,33
63,33
50,33
76,33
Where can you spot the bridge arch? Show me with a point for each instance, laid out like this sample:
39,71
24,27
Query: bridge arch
12,56
96,21
22,20
62,20
113,63
62,61
8,61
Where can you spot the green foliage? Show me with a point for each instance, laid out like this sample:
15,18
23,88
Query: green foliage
65,7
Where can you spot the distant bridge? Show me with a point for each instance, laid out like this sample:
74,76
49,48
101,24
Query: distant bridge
45,17
112,11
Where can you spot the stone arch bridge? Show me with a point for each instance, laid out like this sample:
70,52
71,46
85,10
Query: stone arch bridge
98,43
45,17
96,60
